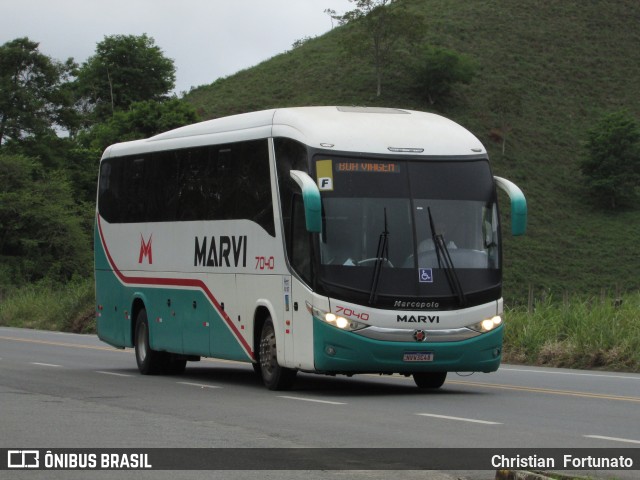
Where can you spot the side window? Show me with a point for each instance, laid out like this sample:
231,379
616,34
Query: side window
290,155
107,191
196,172
121,192
218,182
162,187
136,190
245,167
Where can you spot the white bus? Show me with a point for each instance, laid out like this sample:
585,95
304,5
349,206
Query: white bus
334,240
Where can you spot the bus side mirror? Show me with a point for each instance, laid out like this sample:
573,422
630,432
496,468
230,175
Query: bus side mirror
518,205
310,199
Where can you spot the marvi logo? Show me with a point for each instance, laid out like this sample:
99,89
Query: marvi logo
145,250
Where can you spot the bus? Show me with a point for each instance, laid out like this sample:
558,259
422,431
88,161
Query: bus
333,240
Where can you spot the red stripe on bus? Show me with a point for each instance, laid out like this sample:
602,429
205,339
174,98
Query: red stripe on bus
175,282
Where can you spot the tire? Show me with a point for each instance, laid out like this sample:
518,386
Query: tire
150,362
429,379
274,376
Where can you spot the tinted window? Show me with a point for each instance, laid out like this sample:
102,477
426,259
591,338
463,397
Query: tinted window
221,182
291,155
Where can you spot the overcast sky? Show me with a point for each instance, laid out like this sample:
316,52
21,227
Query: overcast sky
206,39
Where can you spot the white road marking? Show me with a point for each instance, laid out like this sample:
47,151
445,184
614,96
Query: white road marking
459,419
115,374
312,400
201,385
45,364
613,439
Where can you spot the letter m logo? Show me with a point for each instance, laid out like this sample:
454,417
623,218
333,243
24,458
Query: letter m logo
145,250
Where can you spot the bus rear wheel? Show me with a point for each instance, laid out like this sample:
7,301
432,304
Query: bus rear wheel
150,362
429,379
274,376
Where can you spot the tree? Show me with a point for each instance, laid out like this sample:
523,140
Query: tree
612,164
505,103
441,69
42,229
124,70
142,120
34,97
380,28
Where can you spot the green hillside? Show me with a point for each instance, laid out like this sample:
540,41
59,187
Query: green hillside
564,62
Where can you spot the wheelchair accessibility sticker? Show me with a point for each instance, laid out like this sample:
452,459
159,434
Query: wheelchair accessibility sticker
426,275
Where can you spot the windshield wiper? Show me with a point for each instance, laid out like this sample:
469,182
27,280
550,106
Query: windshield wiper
445,262
381,256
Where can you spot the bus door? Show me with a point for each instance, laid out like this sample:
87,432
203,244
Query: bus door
288,320
300,259
302,324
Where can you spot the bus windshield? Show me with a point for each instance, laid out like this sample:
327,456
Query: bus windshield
437,220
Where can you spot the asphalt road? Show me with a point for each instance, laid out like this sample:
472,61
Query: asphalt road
70,391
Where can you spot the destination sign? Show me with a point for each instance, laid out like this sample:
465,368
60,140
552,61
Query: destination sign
366,167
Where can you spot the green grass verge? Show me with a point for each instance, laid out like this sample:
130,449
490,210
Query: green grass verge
575,332
67,308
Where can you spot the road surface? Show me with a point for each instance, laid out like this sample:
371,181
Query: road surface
70,391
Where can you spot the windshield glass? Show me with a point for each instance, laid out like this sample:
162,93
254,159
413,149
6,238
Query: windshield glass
368,203
469,230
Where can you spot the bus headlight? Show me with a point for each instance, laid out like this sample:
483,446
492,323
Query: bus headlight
487,324
332,319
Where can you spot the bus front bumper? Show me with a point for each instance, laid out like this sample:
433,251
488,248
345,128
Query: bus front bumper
343,352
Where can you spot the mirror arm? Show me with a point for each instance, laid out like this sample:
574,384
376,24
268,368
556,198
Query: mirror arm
311,200
518,205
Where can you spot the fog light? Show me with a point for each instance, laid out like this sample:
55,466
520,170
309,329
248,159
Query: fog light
330,350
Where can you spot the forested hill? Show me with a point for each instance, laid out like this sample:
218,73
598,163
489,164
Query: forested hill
545,72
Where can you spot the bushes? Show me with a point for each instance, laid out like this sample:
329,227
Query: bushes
441,69
47,306
612,166
44,233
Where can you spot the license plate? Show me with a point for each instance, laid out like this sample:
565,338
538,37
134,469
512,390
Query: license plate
417,357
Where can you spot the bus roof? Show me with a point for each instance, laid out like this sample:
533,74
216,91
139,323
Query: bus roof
347,129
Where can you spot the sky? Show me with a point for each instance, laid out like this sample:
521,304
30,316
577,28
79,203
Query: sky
206,39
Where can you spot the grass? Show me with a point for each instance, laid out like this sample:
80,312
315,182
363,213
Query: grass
43,306
587,333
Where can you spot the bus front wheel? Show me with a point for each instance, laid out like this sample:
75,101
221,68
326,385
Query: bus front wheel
274,376
149,361
429,379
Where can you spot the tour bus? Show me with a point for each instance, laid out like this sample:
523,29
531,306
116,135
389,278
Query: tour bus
333,240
